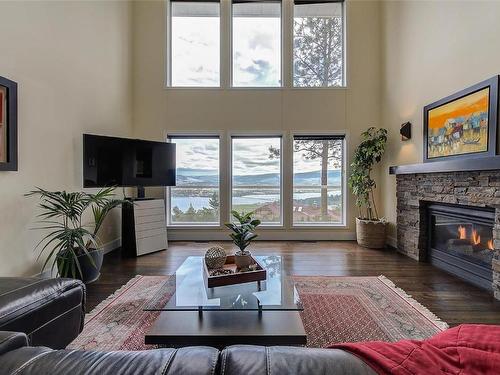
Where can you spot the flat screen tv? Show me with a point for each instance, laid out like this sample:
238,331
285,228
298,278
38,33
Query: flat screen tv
112,161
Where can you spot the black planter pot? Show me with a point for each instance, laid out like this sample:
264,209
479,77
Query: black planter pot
90,273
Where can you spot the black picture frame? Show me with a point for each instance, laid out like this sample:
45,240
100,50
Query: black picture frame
11,110
492,84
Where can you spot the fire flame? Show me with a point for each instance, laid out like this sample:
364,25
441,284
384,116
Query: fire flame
461,233
476,238
490,245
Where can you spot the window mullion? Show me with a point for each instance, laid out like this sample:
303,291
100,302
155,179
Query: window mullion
287,43
225,178
225,43
287,180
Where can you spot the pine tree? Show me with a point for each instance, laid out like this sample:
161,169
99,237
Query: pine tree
318,51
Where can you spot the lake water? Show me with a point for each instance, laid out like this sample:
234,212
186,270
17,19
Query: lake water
200,202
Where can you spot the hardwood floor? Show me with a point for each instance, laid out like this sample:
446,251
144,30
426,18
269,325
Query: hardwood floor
451,299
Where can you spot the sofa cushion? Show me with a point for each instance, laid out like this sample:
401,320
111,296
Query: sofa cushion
39,360
11,341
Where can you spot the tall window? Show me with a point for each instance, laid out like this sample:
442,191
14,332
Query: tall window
256,43
318,180
256,177
195,198
195,43
318,43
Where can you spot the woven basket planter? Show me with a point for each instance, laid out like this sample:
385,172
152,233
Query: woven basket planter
370,233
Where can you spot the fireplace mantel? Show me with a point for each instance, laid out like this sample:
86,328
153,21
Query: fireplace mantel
456,165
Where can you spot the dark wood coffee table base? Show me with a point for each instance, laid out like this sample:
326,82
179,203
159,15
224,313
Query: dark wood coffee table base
224,328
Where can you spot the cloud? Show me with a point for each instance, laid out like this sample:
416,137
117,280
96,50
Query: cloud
262,41
260,70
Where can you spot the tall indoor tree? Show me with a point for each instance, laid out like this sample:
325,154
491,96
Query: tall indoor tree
370,229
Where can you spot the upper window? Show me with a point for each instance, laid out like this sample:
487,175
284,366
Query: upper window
256,43
256,172
195,198
195,43
318,181
318,43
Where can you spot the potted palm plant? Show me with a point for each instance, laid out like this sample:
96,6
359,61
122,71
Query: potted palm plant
370,228
73,247
243,233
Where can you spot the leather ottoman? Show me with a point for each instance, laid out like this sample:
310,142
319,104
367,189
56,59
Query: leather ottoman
50,311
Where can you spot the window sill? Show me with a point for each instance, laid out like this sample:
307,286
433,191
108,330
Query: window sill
207,88
319,226
191,226
279,227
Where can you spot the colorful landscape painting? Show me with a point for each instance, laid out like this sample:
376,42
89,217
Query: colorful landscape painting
459,127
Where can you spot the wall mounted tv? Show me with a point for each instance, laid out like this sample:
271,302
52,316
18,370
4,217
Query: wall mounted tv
111,161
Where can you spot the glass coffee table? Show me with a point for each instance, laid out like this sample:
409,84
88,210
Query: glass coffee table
258,313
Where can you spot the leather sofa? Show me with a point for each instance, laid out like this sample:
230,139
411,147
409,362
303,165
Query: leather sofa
50,312
39,316
16,357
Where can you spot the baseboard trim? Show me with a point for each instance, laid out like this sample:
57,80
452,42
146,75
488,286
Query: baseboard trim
112,245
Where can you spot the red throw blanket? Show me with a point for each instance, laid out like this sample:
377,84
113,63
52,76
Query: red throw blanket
466,349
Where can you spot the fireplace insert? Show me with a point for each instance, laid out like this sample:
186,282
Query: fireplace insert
460,241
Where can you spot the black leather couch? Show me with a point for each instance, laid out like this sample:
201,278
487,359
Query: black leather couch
19,359
47,314
50,312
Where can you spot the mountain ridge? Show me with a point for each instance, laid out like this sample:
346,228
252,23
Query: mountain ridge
188,176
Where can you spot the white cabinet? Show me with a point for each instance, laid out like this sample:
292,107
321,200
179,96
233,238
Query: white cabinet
144,227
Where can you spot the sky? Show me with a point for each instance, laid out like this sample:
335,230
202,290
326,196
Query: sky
196,51
250,156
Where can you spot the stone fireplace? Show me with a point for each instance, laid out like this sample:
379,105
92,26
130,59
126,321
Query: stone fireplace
452,219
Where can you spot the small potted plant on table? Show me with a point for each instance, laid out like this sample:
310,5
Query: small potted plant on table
243,234
71,245
370,228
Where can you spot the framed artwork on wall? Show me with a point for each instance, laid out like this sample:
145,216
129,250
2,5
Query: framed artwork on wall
8,125
463,124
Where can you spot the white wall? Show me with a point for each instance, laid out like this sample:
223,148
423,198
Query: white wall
431,49
72,61
158,110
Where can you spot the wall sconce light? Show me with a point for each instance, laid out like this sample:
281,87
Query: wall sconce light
405,131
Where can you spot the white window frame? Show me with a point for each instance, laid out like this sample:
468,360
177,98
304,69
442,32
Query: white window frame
226,51
282,57
222,216
344,53
230,138
345,192
168,50
286,180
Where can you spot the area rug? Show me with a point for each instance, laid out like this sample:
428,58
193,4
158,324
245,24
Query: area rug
336,310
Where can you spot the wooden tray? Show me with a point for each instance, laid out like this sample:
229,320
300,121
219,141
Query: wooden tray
234,278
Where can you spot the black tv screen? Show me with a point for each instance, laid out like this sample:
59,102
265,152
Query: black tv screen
112,161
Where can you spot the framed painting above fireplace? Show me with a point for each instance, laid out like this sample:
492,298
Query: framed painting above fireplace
463,124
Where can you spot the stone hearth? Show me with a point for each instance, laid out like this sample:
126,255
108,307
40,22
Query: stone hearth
415,191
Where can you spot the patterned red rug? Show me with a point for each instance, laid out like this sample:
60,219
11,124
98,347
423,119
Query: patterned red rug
336,309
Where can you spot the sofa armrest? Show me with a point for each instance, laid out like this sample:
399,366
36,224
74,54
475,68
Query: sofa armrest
50,311
11,341
260,360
